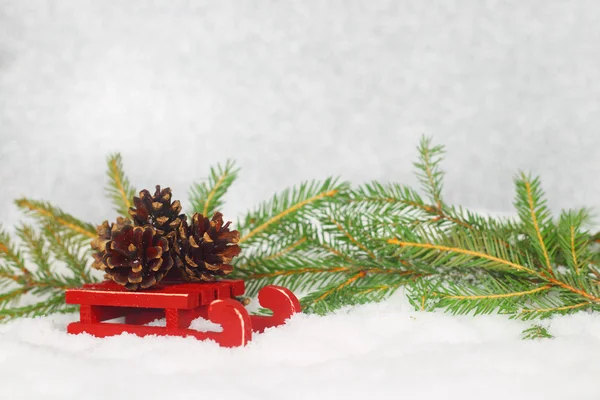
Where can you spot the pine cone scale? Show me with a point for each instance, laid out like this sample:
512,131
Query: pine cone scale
154,252
135,277
226,268
211,267
117,261
155,264
190,262
149,282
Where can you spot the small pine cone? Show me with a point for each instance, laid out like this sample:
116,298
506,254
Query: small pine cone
157,210
104,232
205,249
137,257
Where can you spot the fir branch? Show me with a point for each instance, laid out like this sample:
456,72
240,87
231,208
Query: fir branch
119,190
534,215
73,253
470,255
428,170
293,272
10,254
356,288
460,298
536,332
47,306
374,199
288,240
336,252
484,296
351,238
498,246
254,260
499,296
549,311
207,197
13,295
291,204
574,241
45,213
41,282
336,288
35,246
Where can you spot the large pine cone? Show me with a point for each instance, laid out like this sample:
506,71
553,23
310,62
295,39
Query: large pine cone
205,249
104,232
157,210
136,257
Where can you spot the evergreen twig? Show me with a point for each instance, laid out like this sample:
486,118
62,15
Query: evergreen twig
44,283
118,189
207,197
46,213
536,332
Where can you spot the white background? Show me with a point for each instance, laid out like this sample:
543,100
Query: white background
301,90
294,91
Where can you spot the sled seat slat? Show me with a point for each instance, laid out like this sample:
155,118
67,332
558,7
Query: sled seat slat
132,299
173,296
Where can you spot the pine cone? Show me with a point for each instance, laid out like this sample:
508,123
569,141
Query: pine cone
136,257
157,211
104,232
205,249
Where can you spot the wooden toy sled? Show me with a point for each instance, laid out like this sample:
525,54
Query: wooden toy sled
180,304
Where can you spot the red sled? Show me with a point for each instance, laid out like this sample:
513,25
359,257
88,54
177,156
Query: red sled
180,304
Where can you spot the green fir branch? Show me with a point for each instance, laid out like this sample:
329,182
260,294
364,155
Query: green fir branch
35,247
486,296
31,272
359,287
429,172
207,197
118,189
291,205
74,254
536,218
291,239
53,304
45,213
573,241
535,332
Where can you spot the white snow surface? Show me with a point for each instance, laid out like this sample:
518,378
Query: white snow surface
373,351
293,91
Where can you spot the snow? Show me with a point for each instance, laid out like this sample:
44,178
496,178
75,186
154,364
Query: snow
294,91
385,350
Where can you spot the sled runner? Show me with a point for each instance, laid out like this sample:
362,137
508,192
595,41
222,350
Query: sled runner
180,304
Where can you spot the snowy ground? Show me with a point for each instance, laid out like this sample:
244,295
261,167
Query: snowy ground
369,352
294,91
